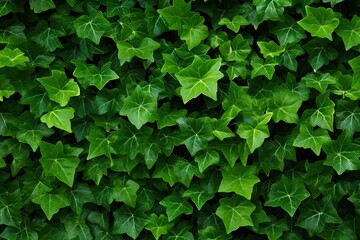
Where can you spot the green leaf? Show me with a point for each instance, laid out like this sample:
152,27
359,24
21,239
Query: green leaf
347,116
320,53
76,228
320,22
59,118
212,233
235,212
143,50
288,31
177,14
175,206
235,23
261,68
206,159
338,232
140,107
100,144
130,221
256,131
125,192
91,75
116,8
60,161
239,179
131,141
31,133
180,232
12,58
6,89
156,23
349,31
41,5
195,133
59,88
235,50
169,116
271,9
319,81
315,214
200,77
274,229
270,49
288,57
48,37
37,99
91,27
323,116
285,107
198,195
10,205
310,138
80,195
158,225
287,194
194,33
342,154
51,203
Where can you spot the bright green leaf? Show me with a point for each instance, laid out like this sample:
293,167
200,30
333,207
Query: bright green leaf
59,118
175,206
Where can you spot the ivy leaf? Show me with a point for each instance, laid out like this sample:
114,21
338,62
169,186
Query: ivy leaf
235,23
198,195
143,50
200,77
177,14
239,179
212,233
235,212
285,107
271,9
80,195
320,53
255,132
59,88
320,22
140,107
315,214
349,31
10,205
125,192
323,116
91,27
51,203
338,231
100,144
158,225
207,159
169,116
116,8
195,133
288,57
156,23
131,141
274,229
41,5
31,133
91,75
196,32
48,37
261,68
12,58
129,220
60,161
287,194
77,228
60,118
235,50
270,49
6,89
180,232
342,154
310,138
175,206
319,81
347,116
37,99
288,31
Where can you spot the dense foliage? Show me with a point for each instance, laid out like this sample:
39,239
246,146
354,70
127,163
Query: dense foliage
159,119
